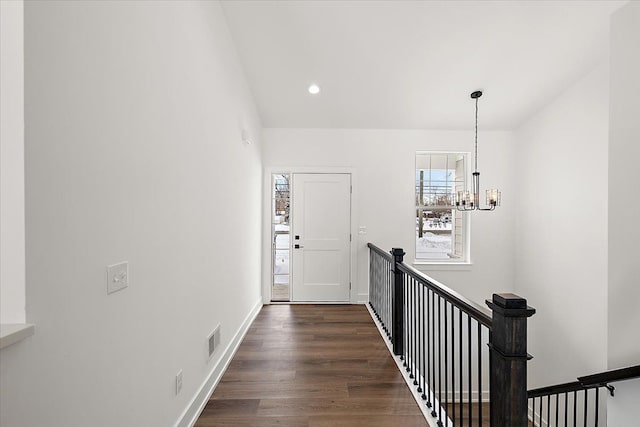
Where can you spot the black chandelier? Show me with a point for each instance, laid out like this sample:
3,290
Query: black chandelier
470,201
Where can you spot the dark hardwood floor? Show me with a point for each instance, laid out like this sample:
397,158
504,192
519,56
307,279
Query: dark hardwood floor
312,365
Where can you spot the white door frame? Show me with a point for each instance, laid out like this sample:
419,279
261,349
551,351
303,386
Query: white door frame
266,225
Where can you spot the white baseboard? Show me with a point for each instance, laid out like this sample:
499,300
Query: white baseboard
199,401
363,299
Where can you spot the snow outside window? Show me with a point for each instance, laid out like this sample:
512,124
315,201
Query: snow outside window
441,232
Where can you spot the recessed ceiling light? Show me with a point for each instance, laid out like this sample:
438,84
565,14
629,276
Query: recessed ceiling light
314,89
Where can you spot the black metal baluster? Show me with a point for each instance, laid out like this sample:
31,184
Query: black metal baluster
469,415
586,398
380,302
566,409
383,299
409,325
446,382
406,326
533,405
389,298
418,335
439,362
540,412
453,365
376,284
433,351
371,280
382,295
379,281
375,281
385,295
557,404
415,334
424,343
461,367
548,409
479,373
429,349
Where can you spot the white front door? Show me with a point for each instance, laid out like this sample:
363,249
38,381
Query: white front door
321,240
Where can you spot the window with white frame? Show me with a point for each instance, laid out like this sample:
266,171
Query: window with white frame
441,230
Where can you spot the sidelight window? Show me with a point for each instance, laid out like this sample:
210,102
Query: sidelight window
280,236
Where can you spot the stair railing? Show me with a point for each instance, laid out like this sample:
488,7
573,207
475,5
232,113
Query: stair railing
576,403
445,340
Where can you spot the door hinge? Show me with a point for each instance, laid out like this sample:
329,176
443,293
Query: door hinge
351,189
350,237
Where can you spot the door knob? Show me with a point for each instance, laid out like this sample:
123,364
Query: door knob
298,246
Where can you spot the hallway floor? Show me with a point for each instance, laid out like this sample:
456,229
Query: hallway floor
312,365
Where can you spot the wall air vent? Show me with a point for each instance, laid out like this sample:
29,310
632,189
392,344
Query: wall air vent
214,340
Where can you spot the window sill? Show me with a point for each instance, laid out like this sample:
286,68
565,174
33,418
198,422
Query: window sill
425,266
11,333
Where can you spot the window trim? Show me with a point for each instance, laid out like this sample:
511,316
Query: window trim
433,264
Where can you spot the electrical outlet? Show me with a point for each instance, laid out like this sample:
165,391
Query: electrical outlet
179,381
117,277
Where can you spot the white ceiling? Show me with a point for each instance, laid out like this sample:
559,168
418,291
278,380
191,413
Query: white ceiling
413,64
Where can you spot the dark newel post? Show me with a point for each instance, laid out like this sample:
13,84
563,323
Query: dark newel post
398,302
508,360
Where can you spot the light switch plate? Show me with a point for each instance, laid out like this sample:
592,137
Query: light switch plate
117,277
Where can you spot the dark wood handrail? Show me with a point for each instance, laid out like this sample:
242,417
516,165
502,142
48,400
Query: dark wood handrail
380,252
611,376
602,379
478,312
556,389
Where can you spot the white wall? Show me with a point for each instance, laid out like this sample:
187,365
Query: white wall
133,152
383,162
624,197
624,204
12,264
561,231
622,409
